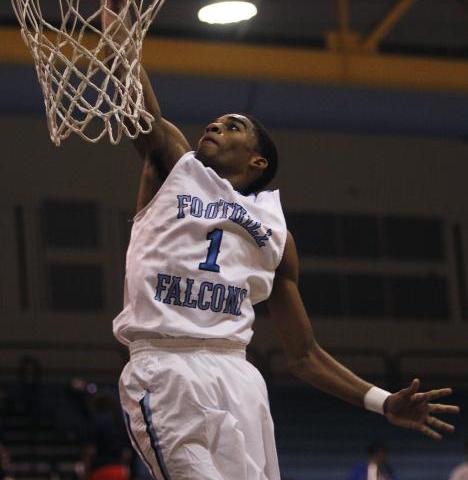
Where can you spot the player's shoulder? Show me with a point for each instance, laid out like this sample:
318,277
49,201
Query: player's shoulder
289,264
290,242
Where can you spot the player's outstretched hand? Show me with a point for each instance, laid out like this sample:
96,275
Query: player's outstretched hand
409,408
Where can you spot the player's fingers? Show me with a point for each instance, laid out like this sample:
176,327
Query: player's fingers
413,387
440,425
429,432
431,395
423,428
441,408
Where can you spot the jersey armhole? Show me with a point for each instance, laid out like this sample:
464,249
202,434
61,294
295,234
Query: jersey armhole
177,166
284,232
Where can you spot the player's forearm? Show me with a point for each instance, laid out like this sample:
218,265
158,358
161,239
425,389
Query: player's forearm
151,101
319,369
306,359
118,31
117,28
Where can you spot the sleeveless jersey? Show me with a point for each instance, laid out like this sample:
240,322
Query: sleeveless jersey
200,256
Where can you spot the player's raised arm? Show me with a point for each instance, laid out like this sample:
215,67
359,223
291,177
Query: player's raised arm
308,361
165,144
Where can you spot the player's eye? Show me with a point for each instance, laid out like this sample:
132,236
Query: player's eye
233,126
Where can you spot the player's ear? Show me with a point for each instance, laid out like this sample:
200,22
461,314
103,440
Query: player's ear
259,163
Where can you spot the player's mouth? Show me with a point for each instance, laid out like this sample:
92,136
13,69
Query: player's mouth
209,139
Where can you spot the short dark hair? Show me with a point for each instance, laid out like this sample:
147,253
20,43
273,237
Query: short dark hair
267,149
375,447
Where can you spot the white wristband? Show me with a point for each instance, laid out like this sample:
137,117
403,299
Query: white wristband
375,398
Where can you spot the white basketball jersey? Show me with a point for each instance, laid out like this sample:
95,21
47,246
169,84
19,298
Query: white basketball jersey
200,256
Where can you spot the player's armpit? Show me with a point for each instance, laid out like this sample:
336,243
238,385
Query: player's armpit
149,185
161,151
156,167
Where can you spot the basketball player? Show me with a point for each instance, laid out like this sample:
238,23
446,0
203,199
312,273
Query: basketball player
208,242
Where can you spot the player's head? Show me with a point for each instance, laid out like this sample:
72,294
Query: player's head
377,451
239,148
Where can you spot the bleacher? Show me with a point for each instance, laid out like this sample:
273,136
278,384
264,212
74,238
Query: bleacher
43,436
319,438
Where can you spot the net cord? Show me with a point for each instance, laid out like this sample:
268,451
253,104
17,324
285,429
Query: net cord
79,87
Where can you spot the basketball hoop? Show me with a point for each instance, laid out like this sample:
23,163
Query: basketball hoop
90,80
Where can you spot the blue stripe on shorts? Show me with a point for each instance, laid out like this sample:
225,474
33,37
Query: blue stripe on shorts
155,445
135,443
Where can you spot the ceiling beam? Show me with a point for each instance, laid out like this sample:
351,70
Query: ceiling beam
387,23
342,39
343,16
233,60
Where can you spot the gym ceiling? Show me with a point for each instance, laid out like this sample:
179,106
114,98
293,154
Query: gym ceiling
384,66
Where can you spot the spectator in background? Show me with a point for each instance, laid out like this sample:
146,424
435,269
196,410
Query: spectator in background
76,413
4,463
29,376
107,454
376,467
460,472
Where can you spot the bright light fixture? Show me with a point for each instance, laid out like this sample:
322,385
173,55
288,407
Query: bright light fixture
227,12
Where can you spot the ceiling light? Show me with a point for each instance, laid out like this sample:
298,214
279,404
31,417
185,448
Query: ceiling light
227,12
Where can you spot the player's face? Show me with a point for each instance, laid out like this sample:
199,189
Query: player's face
228,145
380,457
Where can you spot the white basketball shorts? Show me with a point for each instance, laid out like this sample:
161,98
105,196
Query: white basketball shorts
198,410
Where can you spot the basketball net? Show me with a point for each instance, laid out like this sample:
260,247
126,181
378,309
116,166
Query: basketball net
89,78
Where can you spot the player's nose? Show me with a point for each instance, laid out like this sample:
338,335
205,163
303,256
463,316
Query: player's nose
214,127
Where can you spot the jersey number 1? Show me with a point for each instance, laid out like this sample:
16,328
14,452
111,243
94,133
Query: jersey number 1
215,237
